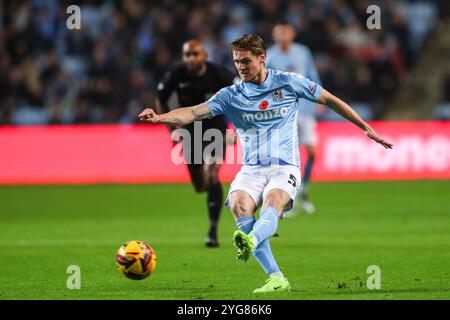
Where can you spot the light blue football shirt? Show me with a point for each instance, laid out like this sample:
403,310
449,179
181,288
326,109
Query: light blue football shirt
265,115
297,59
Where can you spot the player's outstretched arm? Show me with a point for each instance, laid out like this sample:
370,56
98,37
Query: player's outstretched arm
177,117
348,113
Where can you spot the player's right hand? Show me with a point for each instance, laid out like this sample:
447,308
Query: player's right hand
148,115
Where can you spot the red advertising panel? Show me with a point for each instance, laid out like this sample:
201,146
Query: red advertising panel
421,151
144,154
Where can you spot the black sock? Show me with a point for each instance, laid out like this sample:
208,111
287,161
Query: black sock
308,169
303,195
306,177
215,198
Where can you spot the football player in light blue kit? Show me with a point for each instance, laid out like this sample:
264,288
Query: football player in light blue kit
263,108
286,55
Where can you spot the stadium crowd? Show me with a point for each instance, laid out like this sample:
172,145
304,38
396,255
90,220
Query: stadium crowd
108,70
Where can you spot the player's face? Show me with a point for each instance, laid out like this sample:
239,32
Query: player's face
194,56
248,65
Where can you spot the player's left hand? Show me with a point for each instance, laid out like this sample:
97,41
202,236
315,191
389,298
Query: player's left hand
372,134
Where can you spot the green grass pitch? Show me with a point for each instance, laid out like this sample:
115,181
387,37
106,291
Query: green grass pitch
403,227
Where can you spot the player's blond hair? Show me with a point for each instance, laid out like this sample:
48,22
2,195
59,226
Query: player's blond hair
251,42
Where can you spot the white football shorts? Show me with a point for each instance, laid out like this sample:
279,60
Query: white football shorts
257,181
307,130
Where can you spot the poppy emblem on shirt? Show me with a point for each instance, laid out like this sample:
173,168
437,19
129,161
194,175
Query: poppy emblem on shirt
263,105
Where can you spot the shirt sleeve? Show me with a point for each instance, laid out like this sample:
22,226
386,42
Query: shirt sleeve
305,88
218,103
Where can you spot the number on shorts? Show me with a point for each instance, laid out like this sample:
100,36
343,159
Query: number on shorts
292,180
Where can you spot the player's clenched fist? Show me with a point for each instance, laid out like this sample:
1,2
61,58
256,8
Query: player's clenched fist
149,115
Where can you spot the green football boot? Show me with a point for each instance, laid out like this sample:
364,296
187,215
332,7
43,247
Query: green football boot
244,243
274,284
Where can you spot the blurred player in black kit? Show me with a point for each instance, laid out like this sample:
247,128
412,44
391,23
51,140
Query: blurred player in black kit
195,80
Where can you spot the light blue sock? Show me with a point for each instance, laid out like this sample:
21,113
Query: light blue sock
245,224
266,225
263,254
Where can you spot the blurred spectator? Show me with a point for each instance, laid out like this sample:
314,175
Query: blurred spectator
108,70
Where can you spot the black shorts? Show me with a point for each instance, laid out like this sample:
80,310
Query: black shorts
193,150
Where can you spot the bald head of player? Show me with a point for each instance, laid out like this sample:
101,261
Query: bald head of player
283,34
195,56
